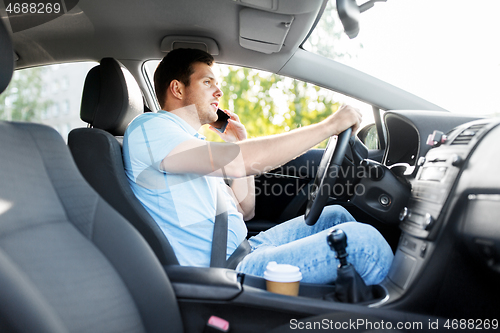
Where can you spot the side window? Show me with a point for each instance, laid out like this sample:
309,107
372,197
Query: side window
49,95
268,103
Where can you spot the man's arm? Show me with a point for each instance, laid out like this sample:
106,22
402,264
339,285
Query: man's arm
254,156
244,193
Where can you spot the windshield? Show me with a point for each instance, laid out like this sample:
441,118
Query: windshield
446,51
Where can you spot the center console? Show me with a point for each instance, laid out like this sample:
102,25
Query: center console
220,284
243,301
431,194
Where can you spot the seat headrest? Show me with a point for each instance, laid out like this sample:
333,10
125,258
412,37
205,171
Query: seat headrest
6,57
111,97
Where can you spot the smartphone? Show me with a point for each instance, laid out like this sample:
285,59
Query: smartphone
221,122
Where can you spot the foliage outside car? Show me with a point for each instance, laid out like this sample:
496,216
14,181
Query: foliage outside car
22,100
270,104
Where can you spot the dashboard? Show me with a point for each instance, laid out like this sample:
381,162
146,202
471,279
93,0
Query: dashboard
403,140
450,234
408,130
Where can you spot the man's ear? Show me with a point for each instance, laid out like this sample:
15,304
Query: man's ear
176,89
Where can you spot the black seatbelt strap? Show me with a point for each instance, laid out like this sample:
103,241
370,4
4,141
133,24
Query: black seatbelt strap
241,251
219,238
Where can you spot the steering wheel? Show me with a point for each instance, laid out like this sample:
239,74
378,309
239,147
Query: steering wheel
326,177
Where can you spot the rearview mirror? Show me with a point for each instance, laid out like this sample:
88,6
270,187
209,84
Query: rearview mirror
349,12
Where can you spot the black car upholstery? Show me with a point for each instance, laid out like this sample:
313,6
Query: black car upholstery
111,99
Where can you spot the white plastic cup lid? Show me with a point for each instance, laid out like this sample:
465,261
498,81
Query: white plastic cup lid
282,272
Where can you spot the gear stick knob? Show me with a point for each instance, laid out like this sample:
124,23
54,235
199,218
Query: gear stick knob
349,286
337,240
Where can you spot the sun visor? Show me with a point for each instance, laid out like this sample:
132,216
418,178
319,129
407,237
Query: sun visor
263,31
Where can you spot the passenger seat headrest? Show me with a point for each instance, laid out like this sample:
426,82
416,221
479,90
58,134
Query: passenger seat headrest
6,57
111,97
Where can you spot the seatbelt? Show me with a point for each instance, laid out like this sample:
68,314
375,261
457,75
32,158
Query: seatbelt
219,238
241,251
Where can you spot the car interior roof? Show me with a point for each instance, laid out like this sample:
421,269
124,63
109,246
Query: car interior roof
134,30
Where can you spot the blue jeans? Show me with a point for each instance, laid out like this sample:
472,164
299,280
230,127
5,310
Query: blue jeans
293,242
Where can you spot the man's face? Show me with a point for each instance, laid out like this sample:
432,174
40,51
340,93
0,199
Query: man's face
204,93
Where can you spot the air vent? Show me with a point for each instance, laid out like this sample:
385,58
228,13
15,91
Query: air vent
466,136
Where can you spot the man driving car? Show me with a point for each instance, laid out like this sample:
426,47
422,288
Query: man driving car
176,175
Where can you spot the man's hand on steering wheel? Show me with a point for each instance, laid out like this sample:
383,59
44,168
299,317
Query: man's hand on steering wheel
346,117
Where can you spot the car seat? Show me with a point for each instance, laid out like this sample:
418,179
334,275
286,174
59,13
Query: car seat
68,261
111,99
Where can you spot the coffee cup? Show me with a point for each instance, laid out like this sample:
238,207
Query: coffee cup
282,278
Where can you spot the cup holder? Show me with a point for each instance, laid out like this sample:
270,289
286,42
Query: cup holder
380,294
318,291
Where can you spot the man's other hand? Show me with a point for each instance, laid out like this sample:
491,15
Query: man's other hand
235,130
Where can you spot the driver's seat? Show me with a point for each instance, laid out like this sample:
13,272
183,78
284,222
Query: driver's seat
111,99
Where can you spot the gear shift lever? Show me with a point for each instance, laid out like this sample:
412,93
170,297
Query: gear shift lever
349,286
338,242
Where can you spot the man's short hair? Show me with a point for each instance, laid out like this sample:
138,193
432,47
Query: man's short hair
177,65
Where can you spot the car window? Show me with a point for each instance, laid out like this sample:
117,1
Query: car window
49,95
268,103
